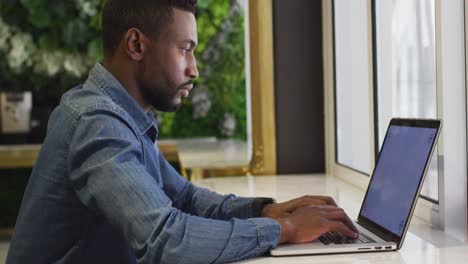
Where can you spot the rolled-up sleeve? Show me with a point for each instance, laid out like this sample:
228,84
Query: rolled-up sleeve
107,172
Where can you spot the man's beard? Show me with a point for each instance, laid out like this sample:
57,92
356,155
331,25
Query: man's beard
161,99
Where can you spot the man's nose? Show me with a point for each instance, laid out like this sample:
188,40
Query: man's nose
192,70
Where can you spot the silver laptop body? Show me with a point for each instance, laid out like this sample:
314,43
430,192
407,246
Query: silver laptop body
391,196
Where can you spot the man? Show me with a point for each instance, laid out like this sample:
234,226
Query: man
102,193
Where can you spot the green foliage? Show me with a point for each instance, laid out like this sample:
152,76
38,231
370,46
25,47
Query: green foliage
225,79
69,31
55,26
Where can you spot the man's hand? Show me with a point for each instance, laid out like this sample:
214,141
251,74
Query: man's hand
308,223
281,210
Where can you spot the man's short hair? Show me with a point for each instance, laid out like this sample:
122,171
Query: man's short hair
149,16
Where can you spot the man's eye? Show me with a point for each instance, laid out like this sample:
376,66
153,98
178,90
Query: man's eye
185,51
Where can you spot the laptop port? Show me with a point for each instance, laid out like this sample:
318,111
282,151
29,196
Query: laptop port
389,247
378,247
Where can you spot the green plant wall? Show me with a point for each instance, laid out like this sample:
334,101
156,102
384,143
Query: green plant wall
217,105
48,46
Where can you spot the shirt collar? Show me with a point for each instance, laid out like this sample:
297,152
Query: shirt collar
114,89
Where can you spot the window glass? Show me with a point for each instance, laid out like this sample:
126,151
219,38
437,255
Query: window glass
352,84
406,68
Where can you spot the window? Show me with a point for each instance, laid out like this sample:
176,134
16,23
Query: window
352,118
405,66
419,53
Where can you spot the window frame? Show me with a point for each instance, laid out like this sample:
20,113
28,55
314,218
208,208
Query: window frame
355,177
451,44
262,88
371,99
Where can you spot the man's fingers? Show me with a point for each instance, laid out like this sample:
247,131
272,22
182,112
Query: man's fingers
308,200
301,202
340,215
342,228
326,199
329,200
350,224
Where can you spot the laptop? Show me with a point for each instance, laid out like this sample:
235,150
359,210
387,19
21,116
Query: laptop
391,195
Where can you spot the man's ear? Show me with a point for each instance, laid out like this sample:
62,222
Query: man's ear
135,44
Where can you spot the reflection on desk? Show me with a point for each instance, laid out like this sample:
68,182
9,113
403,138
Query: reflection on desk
429,246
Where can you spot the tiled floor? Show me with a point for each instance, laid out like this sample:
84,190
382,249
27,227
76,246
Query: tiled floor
3,251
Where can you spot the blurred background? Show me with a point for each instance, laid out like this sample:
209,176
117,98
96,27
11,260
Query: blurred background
258,107
49,46
285,87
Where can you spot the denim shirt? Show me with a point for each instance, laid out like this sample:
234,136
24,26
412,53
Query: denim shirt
101,192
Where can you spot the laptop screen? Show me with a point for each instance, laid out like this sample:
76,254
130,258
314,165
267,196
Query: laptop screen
397,176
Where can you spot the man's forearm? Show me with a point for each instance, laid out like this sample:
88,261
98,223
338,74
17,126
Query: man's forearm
205,203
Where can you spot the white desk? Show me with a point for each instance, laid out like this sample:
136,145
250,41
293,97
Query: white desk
423,244
211,153
207,157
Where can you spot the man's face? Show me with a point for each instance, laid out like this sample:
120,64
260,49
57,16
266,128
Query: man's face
169,67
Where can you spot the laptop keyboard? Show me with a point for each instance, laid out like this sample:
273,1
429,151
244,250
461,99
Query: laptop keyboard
338,238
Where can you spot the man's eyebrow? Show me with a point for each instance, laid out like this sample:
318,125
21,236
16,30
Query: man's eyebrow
192,43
